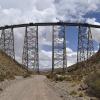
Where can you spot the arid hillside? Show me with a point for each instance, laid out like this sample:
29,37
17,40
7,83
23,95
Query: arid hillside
90,65
10,68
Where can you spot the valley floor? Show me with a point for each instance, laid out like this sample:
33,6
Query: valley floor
34,88
38,87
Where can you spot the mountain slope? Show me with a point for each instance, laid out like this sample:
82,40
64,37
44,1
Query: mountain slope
92,64
10,68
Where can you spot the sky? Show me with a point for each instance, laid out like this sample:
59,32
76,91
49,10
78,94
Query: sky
26,11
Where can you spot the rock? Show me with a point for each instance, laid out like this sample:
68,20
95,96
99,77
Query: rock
61,96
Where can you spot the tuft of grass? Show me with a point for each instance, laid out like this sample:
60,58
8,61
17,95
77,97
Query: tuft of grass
26,75
2,77
9,75
73,85
59,78
81,94
76,77
68,78
9,68
50,75
73,93
56,77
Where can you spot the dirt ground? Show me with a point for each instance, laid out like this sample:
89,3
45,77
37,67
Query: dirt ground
34,88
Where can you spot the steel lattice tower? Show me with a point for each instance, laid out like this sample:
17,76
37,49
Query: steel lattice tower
30,50
7,42
59,48
85,44
90,46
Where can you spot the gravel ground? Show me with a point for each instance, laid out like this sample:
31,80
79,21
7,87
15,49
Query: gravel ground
39,87
6,83
65,88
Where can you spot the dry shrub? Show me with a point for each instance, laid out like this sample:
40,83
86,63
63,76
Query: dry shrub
93,82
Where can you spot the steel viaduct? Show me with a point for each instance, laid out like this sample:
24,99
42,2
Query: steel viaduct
85,47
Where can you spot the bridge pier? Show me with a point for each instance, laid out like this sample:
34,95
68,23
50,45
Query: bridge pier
59,48
7,42
30,50
85,44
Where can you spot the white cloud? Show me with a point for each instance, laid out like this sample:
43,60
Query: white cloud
75,9
71,56
21,11
95,31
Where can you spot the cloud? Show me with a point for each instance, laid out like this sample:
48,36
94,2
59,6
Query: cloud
21,11
74,10
71,56
95,31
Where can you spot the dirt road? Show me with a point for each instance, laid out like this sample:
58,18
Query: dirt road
30,89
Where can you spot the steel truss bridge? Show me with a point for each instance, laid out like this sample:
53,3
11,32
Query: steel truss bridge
30,56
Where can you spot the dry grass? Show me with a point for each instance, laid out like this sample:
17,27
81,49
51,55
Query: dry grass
81,94
73,93
10,68
93,82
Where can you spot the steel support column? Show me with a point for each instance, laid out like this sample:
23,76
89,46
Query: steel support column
59,48
85,44
90,46
30,51
7,42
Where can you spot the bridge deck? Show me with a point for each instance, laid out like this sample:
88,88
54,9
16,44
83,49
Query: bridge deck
50,24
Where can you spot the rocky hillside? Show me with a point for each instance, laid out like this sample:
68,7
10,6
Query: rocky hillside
92,64
10,68
85,75
89,72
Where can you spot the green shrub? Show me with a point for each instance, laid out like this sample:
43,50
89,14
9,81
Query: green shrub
93,82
